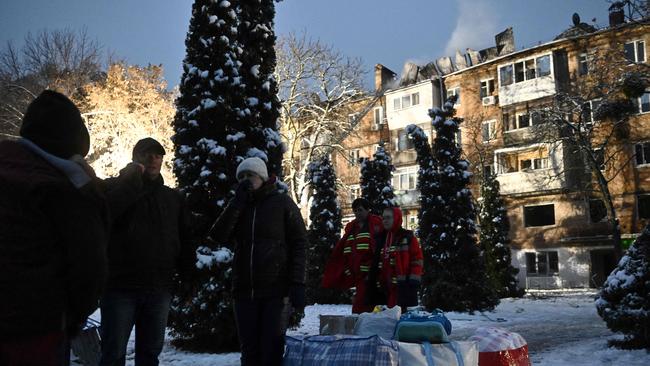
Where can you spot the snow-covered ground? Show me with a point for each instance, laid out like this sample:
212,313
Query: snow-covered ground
561,328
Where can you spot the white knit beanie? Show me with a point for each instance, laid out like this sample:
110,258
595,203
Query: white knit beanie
255,165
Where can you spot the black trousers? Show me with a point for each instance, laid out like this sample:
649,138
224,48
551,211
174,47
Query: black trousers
261,330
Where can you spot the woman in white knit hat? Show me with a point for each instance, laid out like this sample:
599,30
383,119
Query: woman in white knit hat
269,239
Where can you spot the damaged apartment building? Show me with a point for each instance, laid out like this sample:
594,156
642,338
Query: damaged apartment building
560,237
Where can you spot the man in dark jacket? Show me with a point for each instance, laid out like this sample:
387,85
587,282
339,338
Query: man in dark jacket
147,242
53,234
269,265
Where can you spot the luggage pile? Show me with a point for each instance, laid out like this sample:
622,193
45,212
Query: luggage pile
416,338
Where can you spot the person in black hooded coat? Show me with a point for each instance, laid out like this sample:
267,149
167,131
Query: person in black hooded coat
269,238
53,234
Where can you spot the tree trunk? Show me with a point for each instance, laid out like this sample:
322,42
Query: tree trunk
611,214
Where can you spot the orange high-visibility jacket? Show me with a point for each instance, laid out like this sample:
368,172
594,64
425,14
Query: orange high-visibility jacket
402,259
352,256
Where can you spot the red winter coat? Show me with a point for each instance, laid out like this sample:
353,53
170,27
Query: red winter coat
352,256
401,263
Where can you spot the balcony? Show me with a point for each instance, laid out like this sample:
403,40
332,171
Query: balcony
527,90
532,168
409,198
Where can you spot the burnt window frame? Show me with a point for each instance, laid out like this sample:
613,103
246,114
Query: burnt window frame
538,222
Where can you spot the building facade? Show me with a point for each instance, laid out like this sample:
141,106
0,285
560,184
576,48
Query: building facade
560,234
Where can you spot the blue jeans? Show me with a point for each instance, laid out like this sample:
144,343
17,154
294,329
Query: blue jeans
121,310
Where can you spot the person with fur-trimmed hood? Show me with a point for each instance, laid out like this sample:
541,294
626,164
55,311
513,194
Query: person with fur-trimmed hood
53,234
400,262
269,239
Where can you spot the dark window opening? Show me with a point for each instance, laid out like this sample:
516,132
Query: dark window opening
597,210
542,264
505,75
642,152
583,64
541,215
644,206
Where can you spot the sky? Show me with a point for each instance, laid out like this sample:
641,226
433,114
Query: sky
376,31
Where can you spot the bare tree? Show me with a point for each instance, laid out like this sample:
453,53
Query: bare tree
319,89
591,117
131,103
61,60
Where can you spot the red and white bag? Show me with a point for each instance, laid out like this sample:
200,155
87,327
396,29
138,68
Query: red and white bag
499,347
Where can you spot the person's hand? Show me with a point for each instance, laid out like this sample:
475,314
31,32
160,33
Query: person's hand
297,297
136,166
243,193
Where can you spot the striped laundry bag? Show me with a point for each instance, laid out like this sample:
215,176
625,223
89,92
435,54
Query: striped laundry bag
499,347
337,350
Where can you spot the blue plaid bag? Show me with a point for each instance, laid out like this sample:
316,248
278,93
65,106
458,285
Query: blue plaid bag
340,350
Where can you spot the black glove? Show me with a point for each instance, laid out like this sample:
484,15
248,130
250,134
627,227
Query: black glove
243,193
297,297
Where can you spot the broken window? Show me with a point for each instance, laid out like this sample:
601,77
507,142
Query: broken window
642,152
597,211
541,215
488,170
519,72
530,69
505,75
644,206
583,64
487,88
538,117
642,103
509,120
635,51
525,164
543,66
523,120
488,130
452,92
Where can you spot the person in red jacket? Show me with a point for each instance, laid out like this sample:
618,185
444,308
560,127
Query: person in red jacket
401,261
350,262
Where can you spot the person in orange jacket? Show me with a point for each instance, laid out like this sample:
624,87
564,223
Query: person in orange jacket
400,262
351,258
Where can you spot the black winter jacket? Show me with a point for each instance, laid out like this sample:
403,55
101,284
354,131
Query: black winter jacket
269,240
52,246
148,241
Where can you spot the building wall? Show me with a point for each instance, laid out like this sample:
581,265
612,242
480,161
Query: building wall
573,234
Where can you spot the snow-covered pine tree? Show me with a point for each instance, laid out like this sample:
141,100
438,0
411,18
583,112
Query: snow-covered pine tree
214,133
376,180
454,269
494,242
623,300
324,231
257,41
